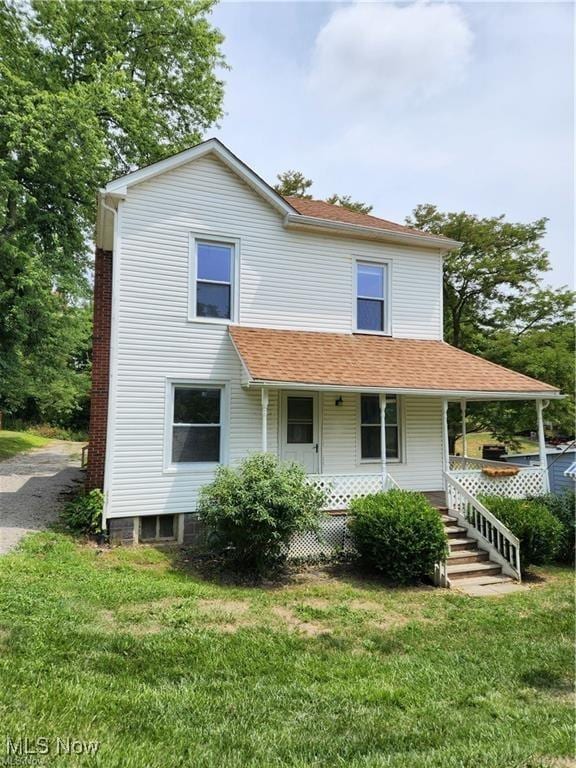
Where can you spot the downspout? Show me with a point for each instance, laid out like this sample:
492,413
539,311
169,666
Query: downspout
114,212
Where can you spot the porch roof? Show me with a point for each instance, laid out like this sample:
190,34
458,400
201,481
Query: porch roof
365,362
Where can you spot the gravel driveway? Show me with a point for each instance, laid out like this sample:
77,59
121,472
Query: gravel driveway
33,487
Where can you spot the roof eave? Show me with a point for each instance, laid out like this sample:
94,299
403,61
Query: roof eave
121,185
301,221
450,394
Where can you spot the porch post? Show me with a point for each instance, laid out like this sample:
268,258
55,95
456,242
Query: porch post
264,401
383,439
540,405
445,446
464,441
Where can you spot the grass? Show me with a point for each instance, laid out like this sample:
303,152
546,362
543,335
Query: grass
12,443
475,441
132,648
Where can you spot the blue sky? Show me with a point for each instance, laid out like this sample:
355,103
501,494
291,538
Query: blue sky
468,106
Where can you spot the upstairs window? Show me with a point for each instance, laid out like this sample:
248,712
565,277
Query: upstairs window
371,293
370,430
213,279
196,425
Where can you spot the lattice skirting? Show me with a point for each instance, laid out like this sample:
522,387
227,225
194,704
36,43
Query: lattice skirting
333,537
525,483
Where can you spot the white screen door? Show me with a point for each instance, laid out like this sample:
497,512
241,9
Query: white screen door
300,429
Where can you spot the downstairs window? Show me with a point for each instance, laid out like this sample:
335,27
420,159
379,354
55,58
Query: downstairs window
196,424
158,528
370,431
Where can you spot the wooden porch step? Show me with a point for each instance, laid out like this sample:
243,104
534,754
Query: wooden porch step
471,570
448,519
458,544
467,556
455,531
480,581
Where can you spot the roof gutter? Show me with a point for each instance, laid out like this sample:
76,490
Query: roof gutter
300,221
455,394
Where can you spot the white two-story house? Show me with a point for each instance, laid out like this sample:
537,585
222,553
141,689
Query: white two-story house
230,320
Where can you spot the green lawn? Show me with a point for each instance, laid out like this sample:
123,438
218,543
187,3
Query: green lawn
12,443
166,669
475,441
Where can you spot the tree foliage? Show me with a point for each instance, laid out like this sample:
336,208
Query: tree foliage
346,202
495,306
87,91
295,184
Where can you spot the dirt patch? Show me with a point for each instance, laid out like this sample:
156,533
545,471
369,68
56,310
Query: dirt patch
367,605
138,618
315,602
232,607
309,628
393,622
109,622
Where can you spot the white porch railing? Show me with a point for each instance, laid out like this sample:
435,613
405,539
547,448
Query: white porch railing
503,547
341,489
468,462
529,481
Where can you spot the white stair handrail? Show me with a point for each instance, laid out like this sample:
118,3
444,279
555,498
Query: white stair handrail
503,548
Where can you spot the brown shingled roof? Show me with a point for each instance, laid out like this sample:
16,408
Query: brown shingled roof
320,209
371,361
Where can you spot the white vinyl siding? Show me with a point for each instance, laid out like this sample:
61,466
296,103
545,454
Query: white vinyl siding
287,279
420,467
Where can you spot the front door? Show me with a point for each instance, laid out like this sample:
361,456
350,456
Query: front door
300,429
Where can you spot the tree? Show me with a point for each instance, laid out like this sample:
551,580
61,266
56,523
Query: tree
346,202
293,184
495,306
87,91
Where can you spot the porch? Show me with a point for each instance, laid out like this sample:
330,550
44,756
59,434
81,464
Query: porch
364,413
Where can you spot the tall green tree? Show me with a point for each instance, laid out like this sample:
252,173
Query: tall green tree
346,202
495,306
295,184
88,90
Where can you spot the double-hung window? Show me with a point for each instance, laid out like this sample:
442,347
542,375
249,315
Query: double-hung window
370,428
196,424
213,280
371,297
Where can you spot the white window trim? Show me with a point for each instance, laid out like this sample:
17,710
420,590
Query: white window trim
387,295
234,243
195,467
401,432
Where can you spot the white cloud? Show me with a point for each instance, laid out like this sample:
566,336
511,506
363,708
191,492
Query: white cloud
369,54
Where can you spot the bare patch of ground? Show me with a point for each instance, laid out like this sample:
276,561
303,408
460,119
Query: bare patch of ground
309,628
234,607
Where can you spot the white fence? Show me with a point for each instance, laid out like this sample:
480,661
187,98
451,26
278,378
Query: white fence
529,481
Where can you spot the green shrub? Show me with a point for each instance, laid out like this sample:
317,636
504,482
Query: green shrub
562,506
84,514
254,510
398,533
539,533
